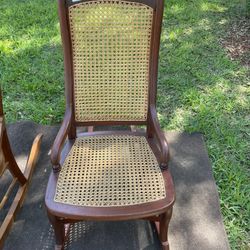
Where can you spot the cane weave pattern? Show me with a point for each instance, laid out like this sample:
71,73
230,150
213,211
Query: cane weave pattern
104,171
111,51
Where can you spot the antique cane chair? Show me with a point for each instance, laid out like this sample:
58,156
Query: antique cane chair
21,179
111,52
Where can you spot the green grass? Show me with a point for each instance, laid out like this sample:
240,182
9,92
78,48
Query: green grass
200,89
31,64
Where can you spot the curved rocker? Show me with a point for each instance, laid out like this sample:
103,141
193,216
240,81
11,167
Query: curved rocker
7,161
111,53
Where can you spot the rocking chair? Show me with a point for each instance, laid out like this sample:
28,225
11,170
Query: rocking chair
111,52
21,178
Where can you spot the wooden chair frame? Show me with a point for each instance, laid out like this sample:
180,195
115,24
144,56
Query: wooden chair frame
22,178
159,211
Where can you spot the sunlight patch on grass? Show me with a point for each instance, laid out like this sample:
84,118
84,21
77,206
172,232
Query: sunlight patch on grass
201,89
213,7
31,63
179,117
172,36
176,9
188,31
204,24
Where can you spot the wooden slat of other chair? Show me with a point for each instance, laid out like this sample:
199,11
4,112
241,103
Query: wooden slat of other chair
6,196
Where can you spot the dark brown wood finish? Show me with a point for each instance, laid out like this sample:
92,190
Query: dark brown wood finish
59,214
68,65
109,213
23,179
60,139
153,126
15,170
7,149
161,139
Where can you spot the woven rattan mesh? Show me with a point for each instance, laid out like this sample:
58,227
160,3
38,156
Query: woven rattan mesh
110,171
111,51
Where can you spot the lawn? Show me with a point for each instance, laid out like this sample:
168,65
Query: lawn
200,88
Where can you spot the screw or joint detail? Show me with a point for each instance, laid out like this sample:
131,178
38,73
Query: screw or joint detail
57,168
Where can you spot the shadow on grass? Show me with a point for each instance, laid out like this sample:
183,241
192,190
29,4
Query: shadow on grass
31,61
200,89
194,73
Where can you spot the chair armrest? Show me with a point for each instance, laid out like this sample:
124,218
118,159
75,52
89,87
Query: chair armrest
160,137
59,141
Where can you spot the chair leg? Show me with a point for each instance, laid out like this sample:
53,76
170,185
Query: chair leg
163,230
59,230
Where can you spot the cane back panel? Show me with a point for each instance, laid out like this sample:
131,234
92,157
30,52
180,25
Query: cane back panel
111,53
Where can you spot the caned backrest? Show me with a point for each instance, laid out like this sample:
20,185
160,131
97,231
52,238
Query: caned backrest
110,43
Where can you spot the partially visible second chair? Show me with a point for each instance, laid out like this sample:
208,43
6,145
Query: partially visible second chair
20,178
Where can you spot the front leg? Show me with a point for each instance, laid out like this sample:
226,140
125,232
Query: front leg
162,228
59,230
164,223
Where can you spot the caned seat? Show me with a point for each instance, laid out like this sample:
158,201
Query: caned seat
107,171
111,50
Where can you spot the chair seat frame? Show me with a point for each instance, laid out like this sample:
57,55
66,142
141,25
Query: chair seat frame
158,211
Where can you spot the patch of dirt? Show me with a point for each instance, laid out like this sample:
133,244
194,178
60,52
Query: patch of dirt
237,41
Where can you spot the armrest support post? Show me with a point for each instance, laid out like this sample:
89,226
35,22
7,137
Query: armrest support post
59,141
155,131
